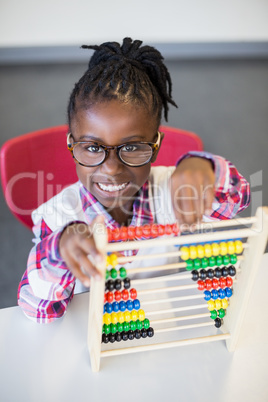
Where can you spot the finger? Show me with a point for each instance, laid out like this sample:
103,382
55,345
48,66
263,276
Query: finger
188,205
86,265
208,199
75,268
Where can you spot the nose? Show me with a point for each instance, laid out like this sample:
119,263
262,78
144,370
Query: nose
112,164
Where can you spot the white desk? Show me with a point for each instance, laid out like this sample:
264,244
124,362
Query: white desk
51,363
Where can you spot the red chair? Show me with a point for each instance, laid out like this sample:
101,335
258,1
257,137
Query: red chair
37,166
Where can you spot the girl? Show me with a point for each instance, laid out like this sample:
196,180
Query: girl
114,114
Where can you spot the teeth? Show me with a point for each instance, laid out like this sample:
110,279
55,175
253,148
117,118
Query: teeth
111,187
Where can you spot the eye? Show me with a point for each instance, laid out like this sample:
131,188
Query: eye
129,148
94,149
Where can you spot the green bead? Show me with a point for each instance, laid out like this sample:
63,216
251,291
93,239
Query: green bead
122,272
113,273
126,326
120,327
107,274
221,313
226,260
204,262
133,325
212,261
146,323
189,265
213,314
106,328
113,328
197,263
139,324
233,259
219,260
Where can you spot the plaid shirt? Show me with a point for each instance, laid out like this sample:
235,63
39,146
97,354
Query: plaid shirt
47,286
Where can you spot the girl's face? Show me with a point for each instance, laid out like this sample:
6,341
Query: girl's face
113,123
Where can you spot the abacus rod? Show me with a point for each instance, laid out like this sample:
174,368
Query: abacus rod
182,318
180,240
181,327
173,299
227,223
167,288
165,345
174,310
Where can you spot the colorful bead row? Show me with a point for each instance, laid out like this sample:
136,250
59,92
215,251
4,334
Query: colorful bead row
215,283
209,250
138,232
220,313
114,273
117,284
217,304
118,295
130,335
125,326
210,262
121,316
216,294
121,306
211,273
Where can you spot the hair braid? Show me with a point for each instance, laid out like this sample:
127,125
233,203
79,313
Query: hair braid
130,72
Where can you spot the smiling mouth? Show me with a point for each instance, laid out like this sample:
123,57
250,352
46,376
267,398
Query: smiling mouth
112,187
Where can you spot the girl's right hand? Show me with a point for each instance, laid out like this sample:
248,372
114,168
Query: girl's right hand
78,249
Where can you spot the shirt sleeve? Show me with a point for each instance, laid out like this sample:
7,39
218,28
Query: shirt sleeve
232,191
47,286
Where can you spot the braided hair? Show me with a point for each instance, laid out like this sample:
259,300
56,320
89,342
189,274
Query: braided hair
128,73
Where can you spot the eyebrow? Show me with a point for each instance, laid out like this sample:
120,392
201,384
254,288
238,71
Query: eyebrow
88,137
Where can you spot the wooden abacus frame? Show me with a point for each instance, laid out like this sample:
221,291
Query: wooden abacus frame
255,230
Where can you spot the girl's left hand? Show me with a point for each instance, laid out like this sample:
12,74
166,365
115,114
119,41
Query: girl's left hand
192,190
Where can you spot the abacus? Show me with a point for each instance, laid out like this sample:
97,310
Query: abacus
207,279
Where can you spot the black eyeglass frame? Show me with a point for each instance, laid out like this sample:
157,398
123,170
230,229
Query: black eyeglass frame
154,145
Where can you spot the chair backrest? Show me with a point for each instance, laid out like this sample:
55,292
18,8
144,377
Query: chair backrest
36,166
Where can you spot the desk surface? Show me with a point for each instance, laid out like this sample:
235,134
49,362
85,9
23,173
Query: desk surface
51,362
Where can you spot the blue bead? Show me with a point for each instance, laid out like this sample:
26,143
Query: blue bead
229,292
136,304
122,306
215,294
207,295
115,307
130,305
222,293
108,307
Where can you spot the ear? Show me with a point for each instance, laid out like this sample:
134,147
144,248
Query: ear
69,140
156,152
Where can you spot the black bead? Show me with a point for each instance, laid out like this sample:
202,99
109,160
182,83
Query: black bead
105,338
150,332
210,273
112,338
137,334
218,273
110,285
217,322
118,284
232,270
124,336
126,283
203,274
131,335
118,336
195,275
144,333
225,271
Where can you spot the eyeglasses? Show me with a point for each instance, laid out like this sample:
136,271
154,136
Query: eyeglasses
91,153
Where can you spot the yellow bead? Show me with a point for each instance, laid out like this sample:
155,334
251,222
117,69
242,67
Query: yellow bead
207,250
134,315
224,303
211,305
121,317
127,316
141,314
108,261
114,318
224,248
184,253
200,251
107,319
193,253
218,304
113,260
238,246
215,249
231,247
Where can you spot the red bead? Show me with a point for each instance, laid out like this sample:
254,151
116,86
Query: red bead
116,234
168,229
146,231
229,281
138,232
161,230
123,233
200,285
222,282
154,230
117,295
215,283
208,284
125,294
109,297
131,232
133,293
175,228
